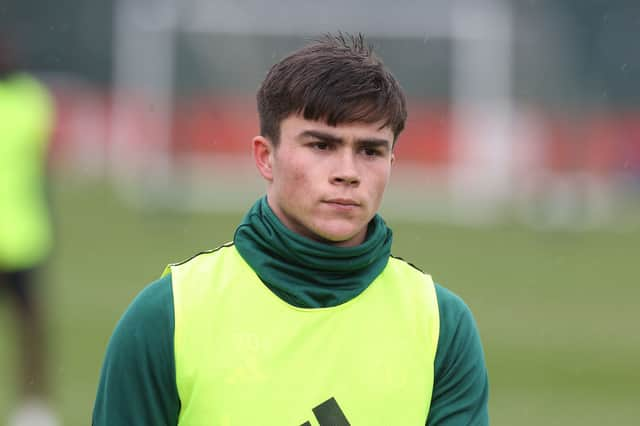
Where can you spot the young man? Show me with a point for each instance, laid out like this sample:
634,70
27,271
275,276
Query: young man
26,117
305,318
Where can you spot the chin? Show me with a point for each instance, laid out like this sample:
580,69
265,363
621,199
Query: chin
338,238
337,235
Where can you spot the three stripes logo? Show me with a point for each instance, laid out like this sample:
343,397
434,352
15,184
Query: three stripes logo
329,413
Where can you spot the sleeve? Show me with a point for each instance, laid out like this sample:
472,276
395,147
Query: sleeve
461,387
137,382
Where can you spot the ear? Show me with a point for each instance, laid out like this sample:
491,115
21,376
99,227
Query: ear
263,151
393,158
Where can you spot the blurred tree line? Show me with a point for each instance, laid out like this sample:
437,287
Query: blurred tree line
567,53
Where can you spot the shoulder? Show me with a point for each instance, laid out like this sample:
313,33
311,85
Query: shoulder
147,323
459,335
144,330
460,375
204,261
137,379
406,272
202,256
453,309
30,85
417,289
154,301
461,387
35,99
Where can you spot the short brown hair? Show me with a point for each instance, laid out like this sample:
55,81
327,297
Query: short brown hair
337,79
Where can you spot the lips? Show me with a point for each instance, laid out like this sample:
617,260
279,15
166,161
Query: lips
346,202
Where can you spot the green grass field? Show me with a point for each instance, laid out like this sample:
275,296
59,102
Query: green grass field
558,312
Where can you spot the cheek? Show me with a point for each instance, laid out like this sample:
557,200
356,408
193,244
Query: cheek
299,171
293,180
298,175
381,179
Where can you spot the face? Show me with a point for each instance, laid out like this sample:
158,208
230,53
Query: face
326,183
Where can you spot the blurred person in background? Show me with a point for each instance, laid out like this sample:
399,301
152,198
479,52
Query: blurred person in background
306,315
26,115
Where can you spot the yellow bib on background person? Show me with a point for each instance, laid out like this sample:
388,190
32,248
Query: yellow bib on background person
26,116
245,357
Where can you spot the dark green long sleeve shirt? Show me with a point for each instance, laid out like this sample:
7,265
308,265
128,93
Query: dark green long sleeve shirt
138,386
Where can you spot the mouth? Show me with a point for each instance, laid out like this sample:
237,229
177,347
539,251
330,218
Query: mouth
343,202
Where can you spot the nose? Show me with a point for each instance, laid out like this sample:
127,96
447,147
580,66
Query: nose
345,171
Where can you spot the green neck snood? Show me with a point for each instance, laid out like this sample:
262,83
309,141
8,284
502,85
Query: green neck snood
307,273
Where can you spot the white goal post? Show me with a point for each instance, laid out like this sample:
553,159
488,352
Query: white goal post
145,61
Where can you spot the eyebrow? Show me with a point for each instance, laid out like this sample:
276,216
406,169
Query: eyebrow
328,137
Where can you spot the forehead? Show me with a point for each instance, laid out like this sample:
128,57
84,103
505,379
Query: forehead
296,126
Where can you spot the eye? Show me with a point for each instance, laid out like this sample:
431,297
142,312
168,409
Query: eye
321,146
371,152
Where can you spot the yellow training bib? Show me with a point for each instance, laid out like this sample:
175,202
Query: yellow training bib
246,357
